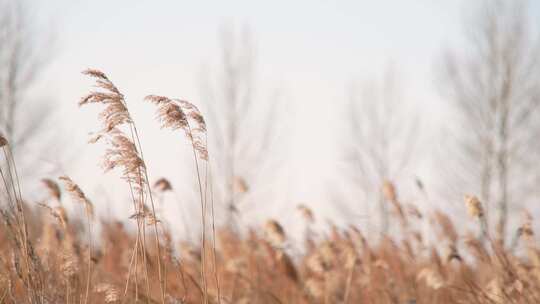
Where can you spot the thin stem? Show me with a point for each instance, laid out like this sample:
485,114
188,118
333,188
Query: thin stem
130,267
203,218
89,227
136,248
348,286
216,276
158,247
20,213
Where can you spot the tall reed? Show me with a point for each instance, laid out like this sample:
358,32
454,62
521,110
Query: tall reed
177,114
125,152
78,196
16,223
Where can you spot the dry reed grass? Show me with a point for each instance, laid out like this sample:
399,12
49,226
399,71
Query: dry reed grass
343,266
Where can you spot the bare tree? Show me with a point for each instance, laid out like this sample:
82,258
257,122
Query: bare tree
494,88
21,60
382,137
241,124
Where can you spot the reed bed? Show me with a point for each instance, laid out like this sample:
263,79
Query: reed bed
46,257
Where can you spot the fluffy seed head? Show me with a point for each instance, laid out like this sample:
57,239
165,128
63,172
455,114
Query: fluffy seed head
315,287
317,264
123,154
115,112
59,213
54,189
112,294
180,114
306,213
451,253
389,191
78,195
3,140
162,185
169,113
474,206
351,257
274,233
525,230
70,265
432,278
240,185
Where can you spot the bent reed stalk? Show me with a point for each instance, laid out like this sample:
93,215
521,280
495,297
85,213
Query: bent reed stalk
177,114
125,153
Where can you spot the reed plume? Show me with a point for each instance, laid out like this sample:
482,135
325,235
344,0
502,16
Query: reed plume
240,185
58,213
14,217
115,112
53,188
306,212
177,114
162,185
474,206
275,233
125,152
111,293
78,196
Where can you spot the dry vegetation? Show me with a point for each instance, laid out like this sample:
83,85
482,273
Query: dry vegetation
46,257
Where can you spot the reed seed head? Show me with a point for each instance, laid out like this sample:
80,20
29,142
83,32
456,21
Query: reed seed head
306,213
432,278
162,185
59,213
112,294
240,185
474,206
78,195
389,191
3,140
54,189
274,233
115,112
177,114
525,230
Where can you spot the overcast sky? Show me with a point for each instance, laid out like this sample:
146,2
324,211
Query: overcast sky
308,50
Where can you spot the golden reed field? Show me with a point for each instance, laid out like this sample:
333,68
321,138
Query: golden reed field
46,257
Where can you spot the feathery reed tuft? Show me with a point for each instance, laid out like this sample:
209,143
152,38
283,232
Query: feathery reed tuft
78,195
115,112
162,185
3,140
126,153
176,114
474,206
54,189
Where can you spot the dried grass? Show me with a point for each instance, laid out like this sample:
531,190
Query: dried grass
344,266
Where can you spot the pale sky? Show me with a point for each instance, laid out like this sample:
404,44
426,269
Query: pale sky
308,50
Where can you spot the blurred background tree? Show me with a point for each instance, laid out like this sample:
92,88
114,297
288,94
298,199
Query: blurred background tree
21,60
244,125
493,87
382,135
25,49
